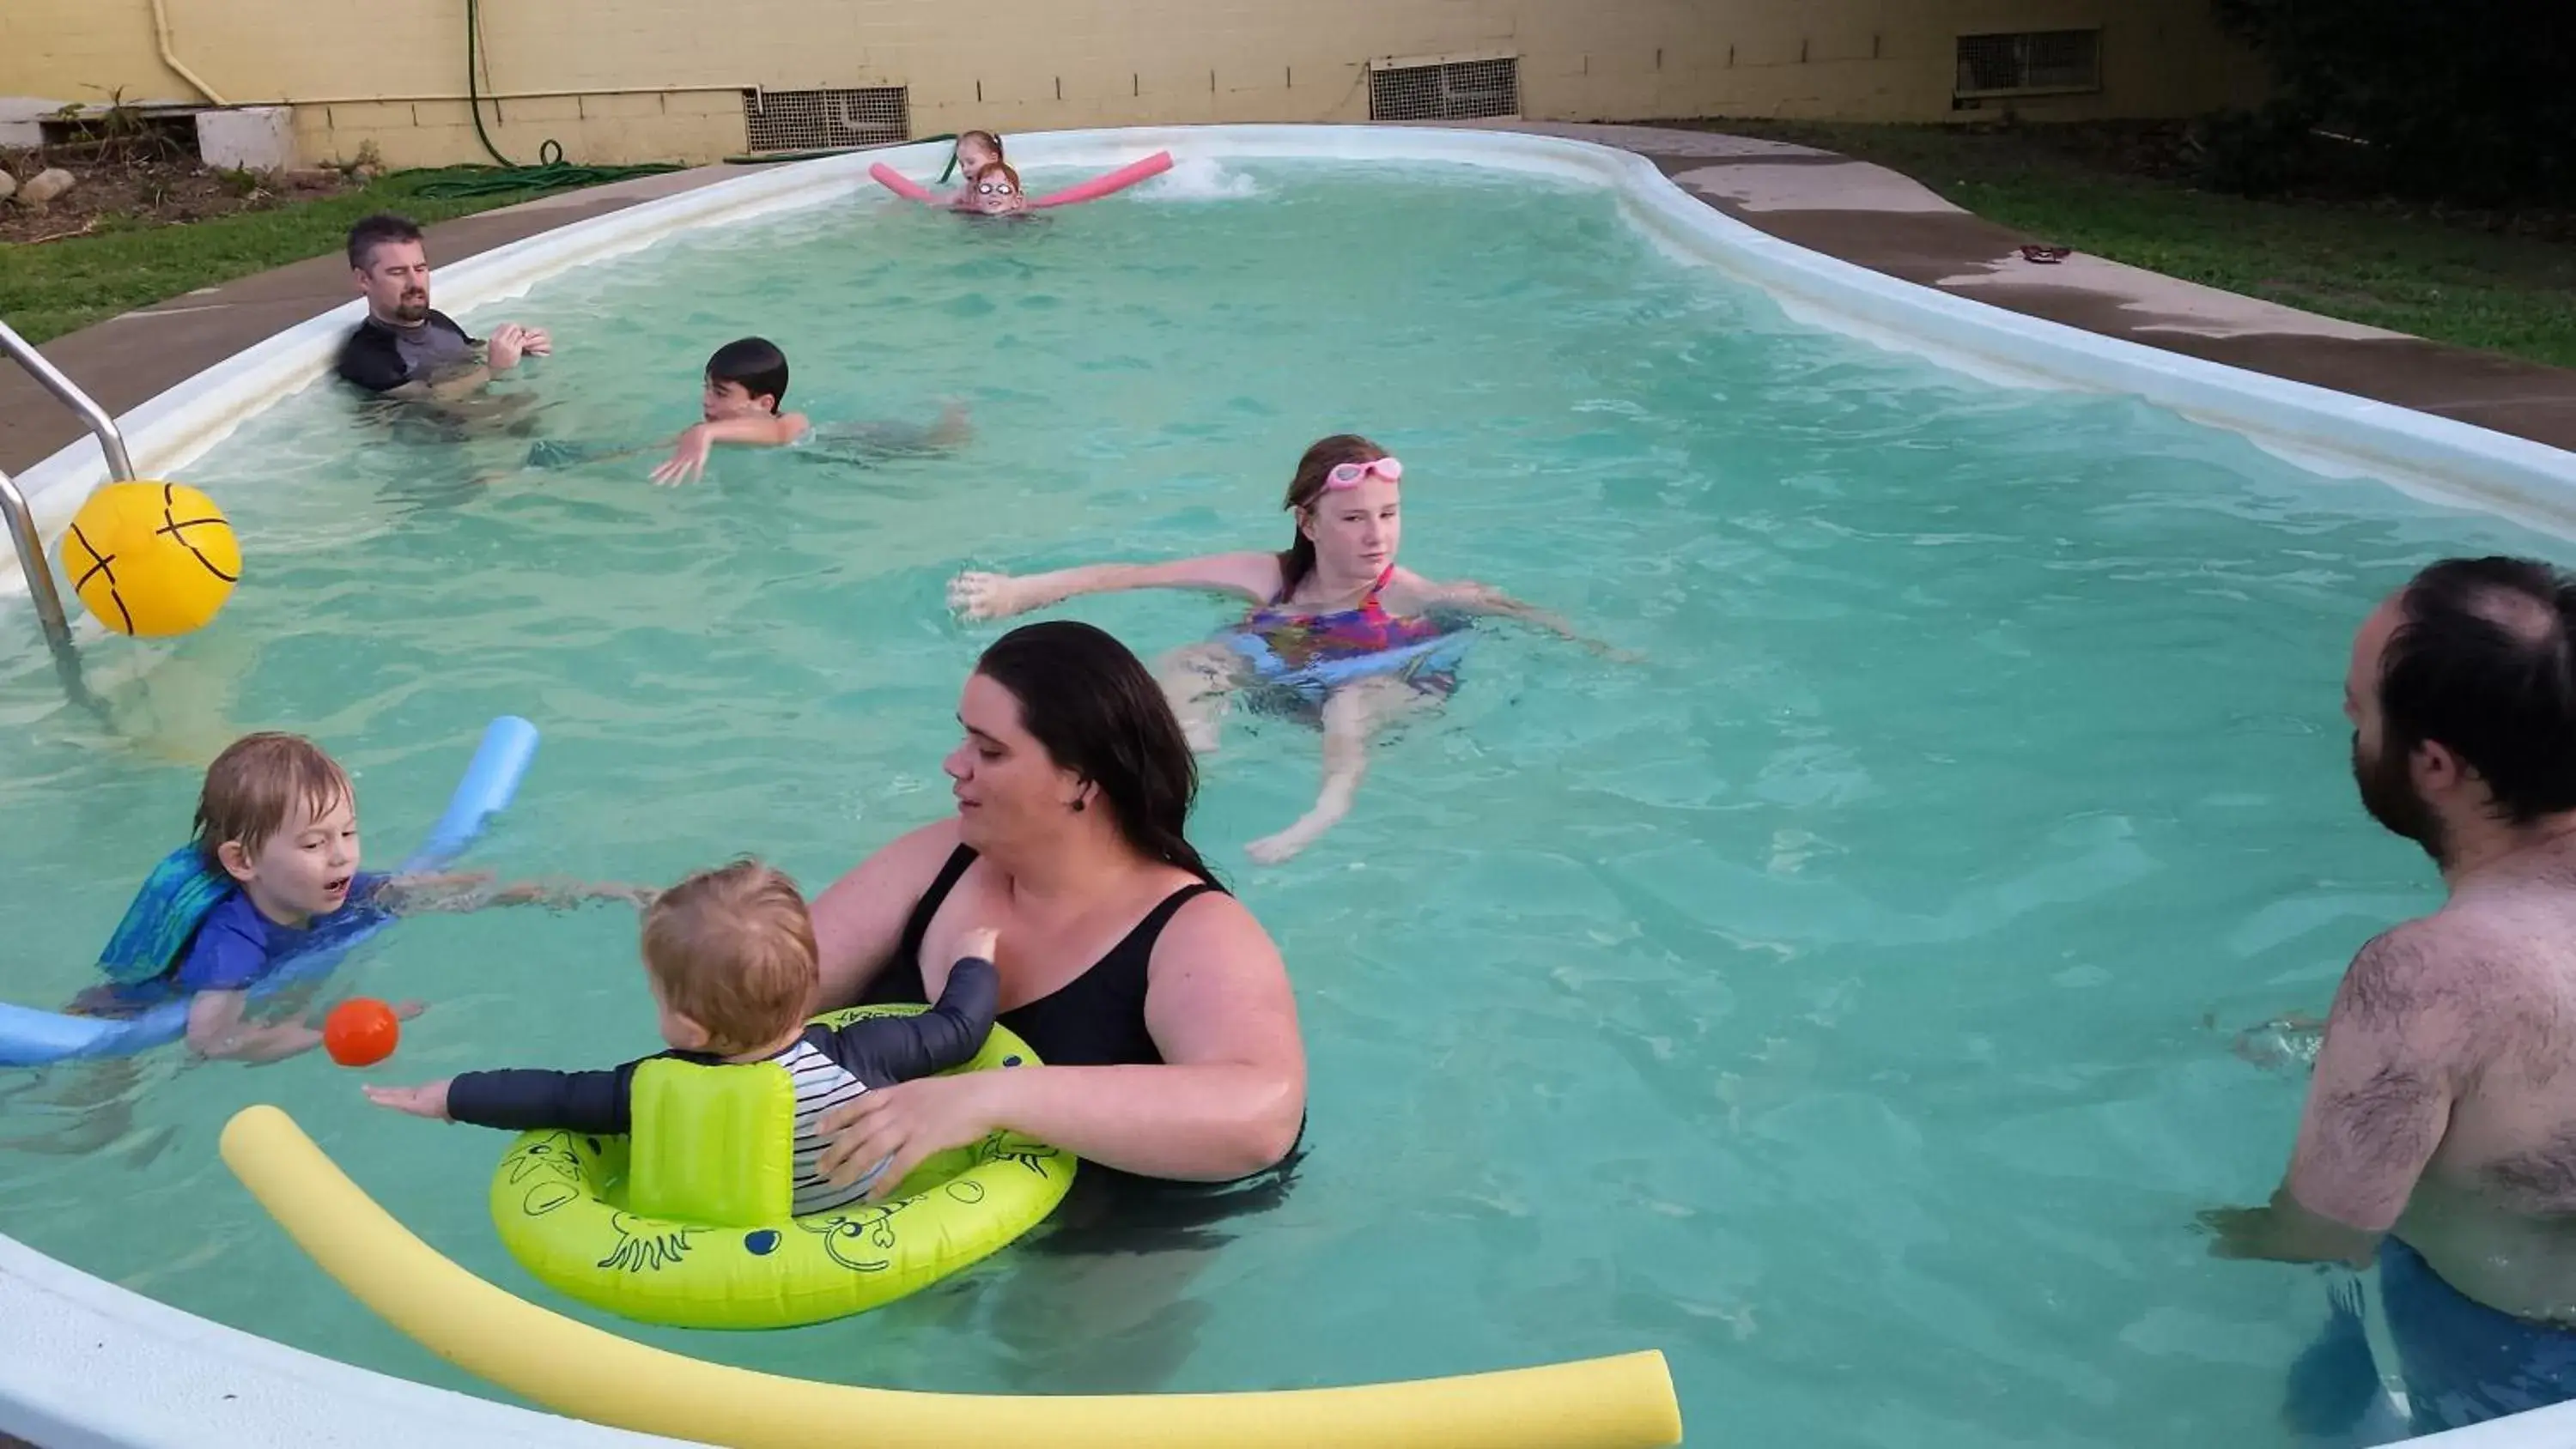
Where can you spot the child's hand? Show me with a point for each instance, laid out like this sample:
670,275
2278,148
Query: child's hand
427,1100
641,897
688,461
568,895
984,596
981,942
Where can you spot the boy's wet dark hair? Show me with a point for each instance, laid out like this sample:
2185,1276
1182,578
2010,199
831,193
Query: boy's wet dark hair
375,231
756,364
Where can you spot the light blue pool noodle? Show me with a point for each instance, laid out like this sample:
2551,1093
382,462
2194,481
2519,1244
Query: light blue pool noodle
1443,652
1440,653
29,1037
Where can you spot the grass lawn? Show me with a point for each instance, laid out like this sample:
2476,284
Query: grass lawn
63,286
2462,281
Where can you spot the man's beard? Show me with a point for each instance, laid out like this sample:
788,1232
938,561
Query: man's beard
2388,793
414,307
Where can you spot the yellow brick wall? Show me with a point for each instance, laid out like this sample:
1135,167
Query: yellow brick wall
661,78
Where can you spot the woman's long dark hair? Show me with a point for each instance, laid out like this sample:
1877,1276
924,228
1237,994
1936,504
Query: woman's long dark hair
1097,711
1298,559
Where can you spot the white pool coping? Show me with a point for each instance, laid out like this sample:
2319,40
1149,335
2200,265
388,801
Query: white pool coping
2333,433
84,1363
87,1365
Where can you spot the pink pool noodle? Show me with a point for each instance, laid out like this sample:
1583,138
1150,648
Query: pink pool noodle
900,184
1098,186
1118,180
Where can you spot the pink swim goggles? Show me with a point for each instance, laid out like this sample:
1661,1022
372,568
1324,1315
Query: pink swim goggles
1348,475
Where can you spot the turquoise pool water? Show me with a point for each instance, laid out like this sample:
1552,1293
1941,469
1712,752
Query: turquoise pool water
1840,1000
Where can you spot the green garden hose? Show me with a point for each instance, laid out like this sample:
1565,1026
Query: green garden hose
773,158
551,173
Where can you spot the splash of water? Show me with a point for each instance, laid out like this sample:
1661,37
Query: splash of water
1201,178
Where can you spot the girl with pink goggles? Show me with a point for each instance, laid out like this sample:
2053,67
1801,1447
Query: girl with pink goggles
1348,475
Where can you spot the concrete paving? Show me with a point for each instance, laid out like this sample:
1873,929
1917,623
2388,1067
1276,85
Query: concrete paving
1873,217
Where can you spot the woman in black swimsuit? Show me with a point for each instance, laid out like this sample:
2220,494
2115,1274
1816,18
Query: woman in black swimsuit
1159,1006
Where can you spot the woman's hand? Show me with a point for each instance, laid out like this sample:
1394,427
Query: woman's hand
976,596
892,1130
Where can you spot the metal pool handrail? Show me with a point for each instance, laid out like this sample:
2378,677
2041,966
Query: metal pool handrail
94,417
31,561
22,520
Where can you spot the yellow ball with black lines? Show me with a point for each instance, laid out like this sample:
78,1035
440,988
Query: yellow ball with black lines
151,559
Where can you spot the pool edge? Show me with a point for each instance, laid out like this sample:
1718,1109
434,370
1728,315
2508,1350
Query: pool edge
2335,435
163,1353
85,1364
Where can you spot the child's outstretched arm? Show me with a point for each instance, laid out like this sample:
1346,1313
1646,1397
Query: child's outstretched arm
1475,598
218,1029
688,458
900,1048
523,1100
976,595
412,895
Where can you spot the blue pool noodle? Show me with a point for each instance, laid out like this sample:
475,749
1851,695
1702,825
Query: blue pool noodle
30,1038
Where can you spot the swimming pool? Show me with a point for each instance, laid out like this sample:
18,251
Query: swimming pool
1840,1000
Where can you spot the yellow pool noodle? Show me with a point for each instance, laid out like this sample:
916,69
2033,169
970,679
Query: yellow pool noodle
1624,1402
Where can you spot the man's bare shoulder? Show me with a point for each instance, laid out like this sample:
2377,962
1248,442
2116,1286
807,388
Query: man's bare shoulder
2524,930
2452,974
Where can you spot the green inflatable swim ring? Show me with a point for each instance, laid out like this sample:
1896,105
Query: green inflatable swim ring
721,1250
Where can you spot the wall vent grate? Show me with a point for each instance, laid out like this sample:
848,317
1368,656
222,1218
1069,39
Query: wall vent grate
820,120
2030,63
1455,90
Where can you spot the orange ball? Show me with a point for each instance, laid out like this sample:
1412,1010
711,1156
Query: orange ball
361,1032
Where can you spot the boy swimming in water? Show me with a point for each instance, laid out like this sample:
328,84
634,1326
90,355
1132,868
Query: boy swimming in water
271,874
729,955
746,381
